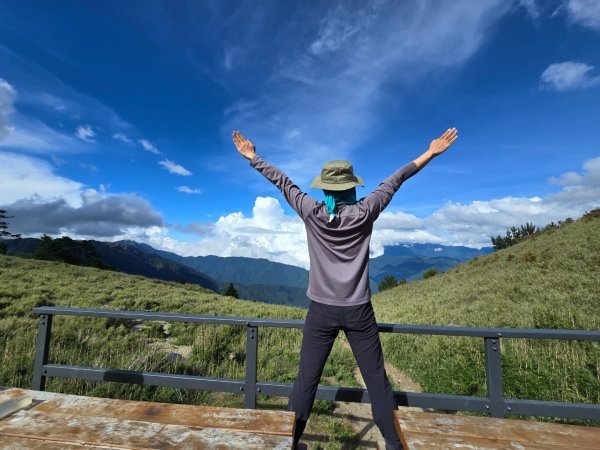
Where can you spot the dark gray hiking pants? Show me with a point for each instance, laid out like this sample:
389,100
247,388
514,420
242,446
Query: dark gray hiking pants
323,323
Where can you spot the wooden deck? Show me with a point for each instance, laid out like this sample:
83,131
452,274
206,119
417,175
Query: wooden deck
35,419
425,431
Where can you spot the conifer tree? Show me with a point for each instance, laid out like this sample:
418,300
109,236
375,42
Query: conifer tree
231,291
4,225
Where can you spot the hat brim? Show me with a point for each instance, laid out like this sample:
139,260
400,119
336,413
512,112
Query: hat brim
317,183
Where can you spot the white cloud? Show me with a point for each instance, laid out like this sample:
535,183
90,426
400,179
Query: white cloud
268,233
24,177
584,12
174,168
189,190
85,133
337,28
149,146
98,216
7,99
26,133
32,135
473,224
569,75
43,202
122,137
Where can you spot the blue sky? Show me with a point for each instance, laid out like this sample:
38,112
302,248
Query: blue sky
115,117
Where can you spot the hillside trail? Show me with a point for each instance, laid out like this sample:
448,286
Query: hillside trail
359,414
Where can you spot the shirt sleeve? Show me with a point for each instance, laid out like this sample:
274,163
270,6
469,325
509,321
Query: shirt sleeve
301,202
378,200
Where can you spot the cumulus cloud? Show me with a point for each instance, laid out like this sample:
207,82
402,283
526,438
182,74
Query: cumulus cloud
99,215
189,190
42,202
270,233
85,133
122,137
584,12
149,146
474,223
569,75
7,99
174,168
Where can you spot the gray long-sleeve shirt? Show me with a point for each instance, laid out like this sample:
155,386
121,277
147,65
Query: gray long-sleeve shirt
338,250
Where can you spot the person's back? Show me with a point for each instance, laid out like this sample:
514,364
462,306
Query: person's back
338,233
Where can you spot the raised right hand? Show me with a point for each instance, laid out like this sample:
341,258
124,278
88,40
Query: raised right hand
441,144
243,145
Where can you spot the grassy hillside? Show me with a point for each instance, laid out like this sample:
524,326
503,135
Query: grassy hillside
551,280
208,350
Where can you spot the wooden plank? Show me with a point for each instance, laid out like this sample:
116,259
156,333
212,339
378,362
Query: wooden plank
11,394
420,441
18,443
280,423
10,406
528,434
104,431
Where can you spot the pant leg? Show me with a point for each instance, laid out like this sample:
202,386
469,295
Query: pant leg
361,329
320,330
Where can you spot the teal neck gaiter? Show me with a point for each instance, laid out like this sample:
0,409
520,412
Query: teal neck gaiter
347,197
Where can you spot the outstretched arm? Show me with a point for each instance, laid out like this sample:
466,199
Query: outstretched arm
301,202
437,147
378,200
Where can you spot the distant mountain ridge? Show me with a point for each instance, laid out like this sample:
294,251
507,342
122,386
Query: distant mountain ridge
127,258
237,269
410,261
257,278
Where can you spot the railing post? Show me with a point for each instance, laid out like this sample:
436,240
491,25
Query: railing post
251,367
42,348
493,376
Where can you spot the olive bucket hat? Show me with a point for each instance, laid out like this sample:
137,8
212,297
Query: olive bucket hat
337,175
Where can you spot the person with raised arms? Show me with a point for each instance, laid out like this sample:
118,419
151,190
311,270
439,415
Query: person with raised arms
338,231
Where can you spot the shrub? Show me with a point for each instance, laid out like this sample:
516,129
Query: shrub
388,282
430,273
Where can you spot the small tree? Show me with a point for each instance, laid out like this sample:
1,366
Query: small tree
388,282
430,273
4,226
231,291
514,235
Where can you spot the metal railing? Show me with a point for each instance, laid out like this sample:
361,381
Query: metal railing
494,404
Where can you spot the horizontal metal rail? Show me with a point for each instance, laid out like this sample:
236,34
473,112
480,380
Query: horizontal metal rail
523,333
494,404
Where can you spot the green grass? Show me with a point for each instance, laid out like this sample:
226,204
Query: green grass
217,351
551,280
